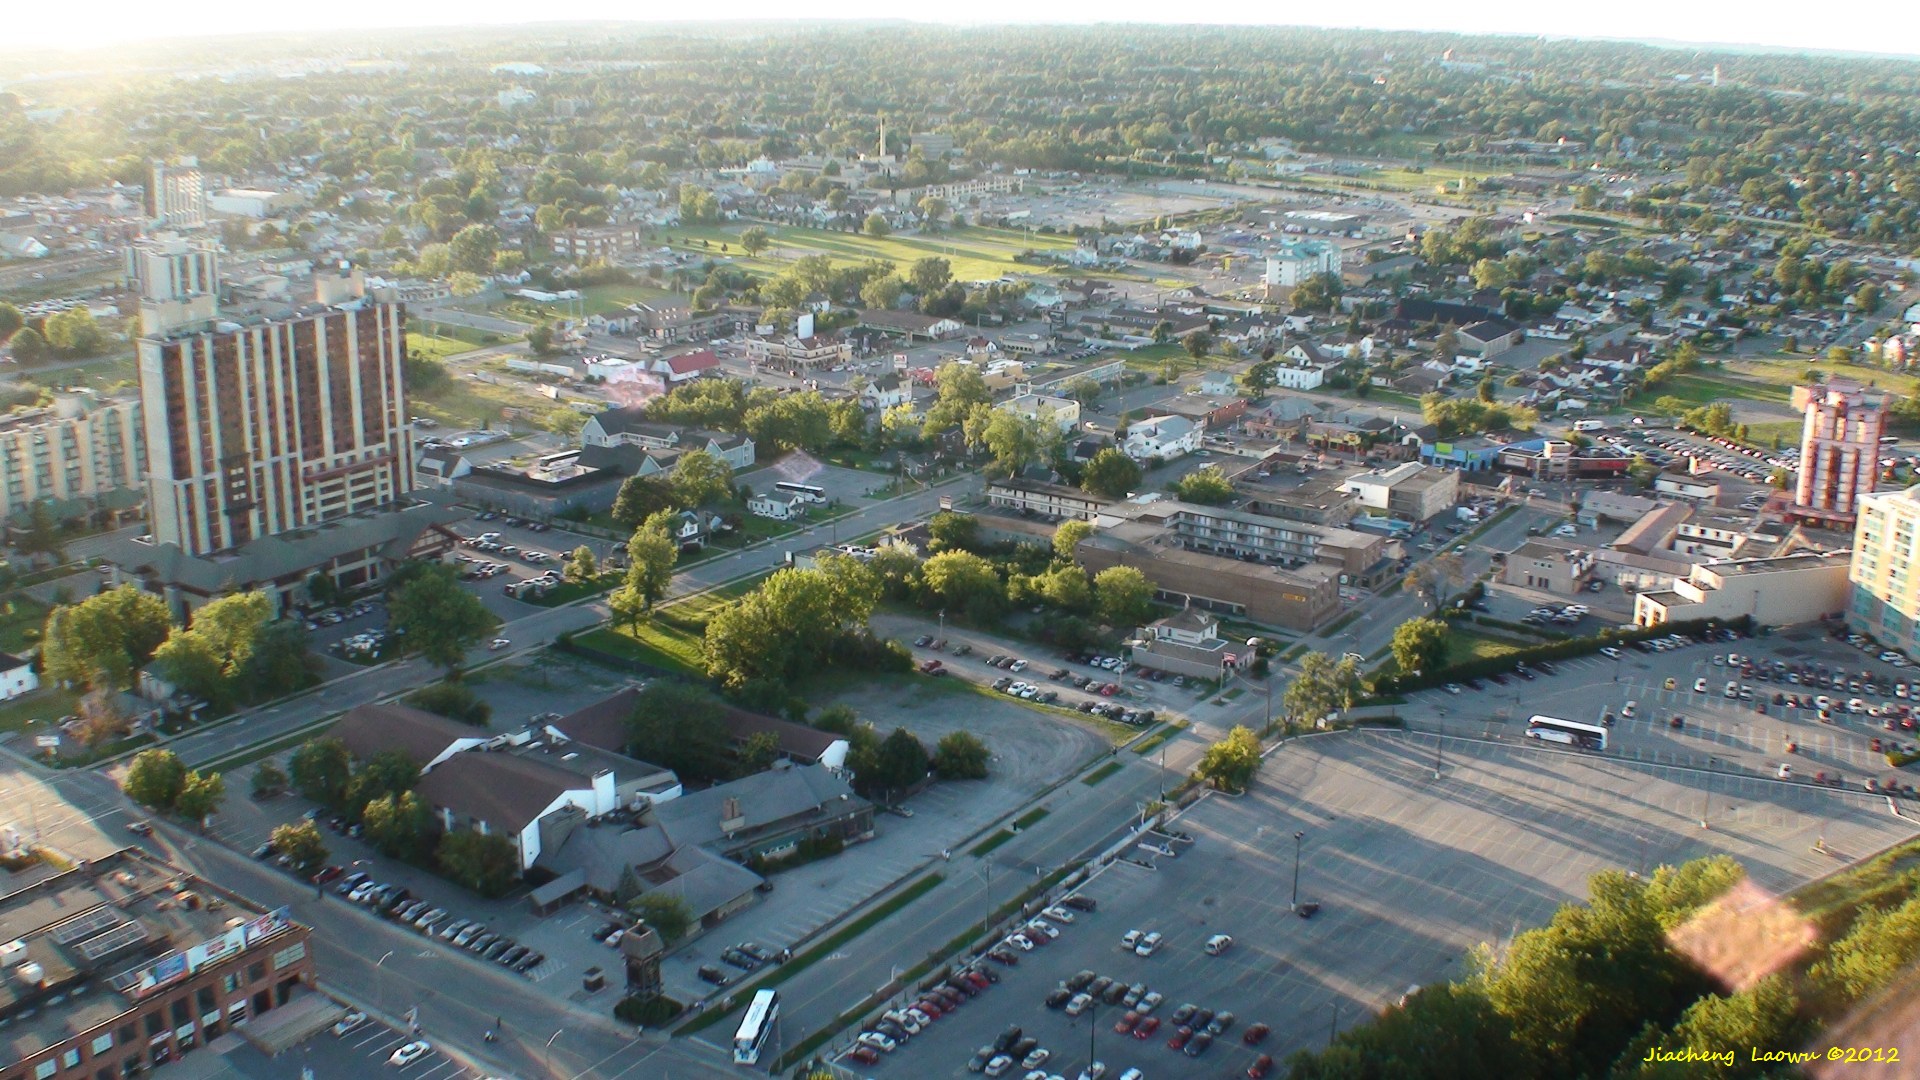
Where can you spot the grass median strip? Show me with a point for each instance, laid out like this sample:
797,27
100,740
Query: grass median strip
831,944
1100,773
1028,819
991,842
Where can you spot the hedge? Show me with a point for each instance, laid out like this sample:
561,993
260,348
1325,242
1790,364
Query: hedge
1552,650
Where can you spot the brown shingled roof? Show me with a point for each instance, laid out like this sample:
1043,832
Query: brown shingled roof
422,736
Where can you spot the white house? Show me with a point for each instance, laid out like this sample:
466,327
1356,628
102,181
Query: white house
1062,412
777,506
16,677
1303,367
885,392
1163,437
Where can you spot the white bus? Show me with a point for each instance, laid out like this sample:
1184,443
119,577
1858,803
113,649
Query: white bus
807,491
1567,733
755,1026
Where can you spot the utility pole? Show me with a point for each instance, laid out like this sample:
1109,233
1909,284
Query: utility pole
1297,836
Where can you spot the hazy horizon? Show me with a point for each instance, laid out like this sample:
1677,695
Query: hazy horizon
1637,21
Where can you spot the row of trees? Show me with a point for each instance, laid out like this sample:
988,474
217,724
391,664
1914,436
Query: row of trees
158,779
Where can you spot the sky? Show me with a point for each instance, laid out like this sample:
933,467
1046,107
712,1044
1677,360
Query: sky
1878,26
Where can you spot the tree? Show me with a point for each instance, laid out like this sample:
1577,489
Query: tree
882,292
1111,474
960,755
679,727
268,780
930,275
950,530
302,844
200,795
702,478
582,567
437,619
188,662
1318,292
279,663
1123,595
321,769
10,320
883,768
666,913
792,623
1229,764
483,862
155,778
540,338
759,752
463,283
1206,485
933,208
74,332
876,225
30,346
1420,645
651,554
1322,686
754,240
401,826
1260,378
1016,441
1067,536
104,639
211,658
1198,344
386,773
963,581
453,700
42,534
640,498
1485,390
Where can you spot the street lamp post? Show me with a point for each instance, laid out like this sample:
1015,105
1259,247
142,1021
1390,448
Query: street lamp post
550,1038
380,980
1297,836
1438,745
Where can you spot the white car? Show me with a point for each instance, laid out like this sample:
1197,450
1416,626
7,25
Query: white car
1017,665
1610,652
1060,915
1627,710
1699,686
1148,945
1021,942
999,1065
1037,1058
1130,939
1037,928
410,1053
878,1041
499,643
349,1022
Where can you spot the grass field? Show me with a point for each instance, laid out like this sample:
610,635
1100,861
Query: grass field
672,638
976,253
460,401
1466,644
1705,389
21,619
1785,372
435,347
47,704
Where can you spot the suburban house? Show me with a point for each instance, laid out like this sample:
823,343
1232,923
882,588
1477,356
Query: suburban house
629,426
1062,412
686,366
17,677
1161,437
777,506
1188,643
1304,367
886,392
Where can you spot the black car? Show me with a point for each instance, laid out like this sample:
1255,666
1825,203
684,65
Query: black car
1007,1038
1220,1024
1524,673
1182,1014
1498,678
1098,986
1474,684
1080,903
709,973
1080,979
1026,1045
1198,1044
1058,997
978,1062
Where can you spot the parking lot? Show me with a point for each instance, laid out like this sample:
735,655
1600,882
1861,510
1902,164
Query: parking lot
363,1050
1409,874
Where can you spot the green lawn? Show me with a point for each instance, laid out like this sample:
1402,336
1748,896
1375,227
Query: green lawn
1785,372
1466,644
673,636
21,619
976,253
47,704
435,347
460,401
1705,389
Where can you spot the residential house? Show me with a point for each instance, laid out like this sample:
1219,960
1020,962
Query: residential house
629,426
1188,643
1161,438
17,676
886,392
777,506
686,366
1307,367
1062,412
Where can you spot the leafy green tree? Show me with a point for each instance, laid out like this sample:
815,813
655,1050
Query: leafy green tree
473,248
930,275
1318,292
321,770
876,225
200,795
960,755
10,320
1260,378
434,617
582,567
884,767
30,346
42,534
74,332
679,727
268,780
104,639
882,293
640,498
1123,595
1110,474
1322,686
1067,536
760,750
651,554
1064,587
959,388
483,862
1230,763
1420,644
950,530
302,844
1206,485
155,778
540,338
1017,441
667,914
790,624
1198,344
700,479
754,240
963,581
401,826
453,700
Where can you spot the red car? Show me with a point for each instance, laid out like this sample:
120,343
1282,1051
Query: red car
865,1055
1124,1025
1261,1066
329,874
1147,1026
1255,1035
1180,1039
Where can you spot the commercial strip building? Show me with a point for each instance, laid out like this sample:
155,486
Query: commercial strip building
1409,491
1548,566
1774,592
1188,643
1299,599
1251,537
1056,501
125,963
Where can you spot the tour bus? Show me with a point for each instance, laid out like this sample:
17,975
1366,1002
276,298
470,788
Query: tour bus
1567,733
807,491
755,1026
